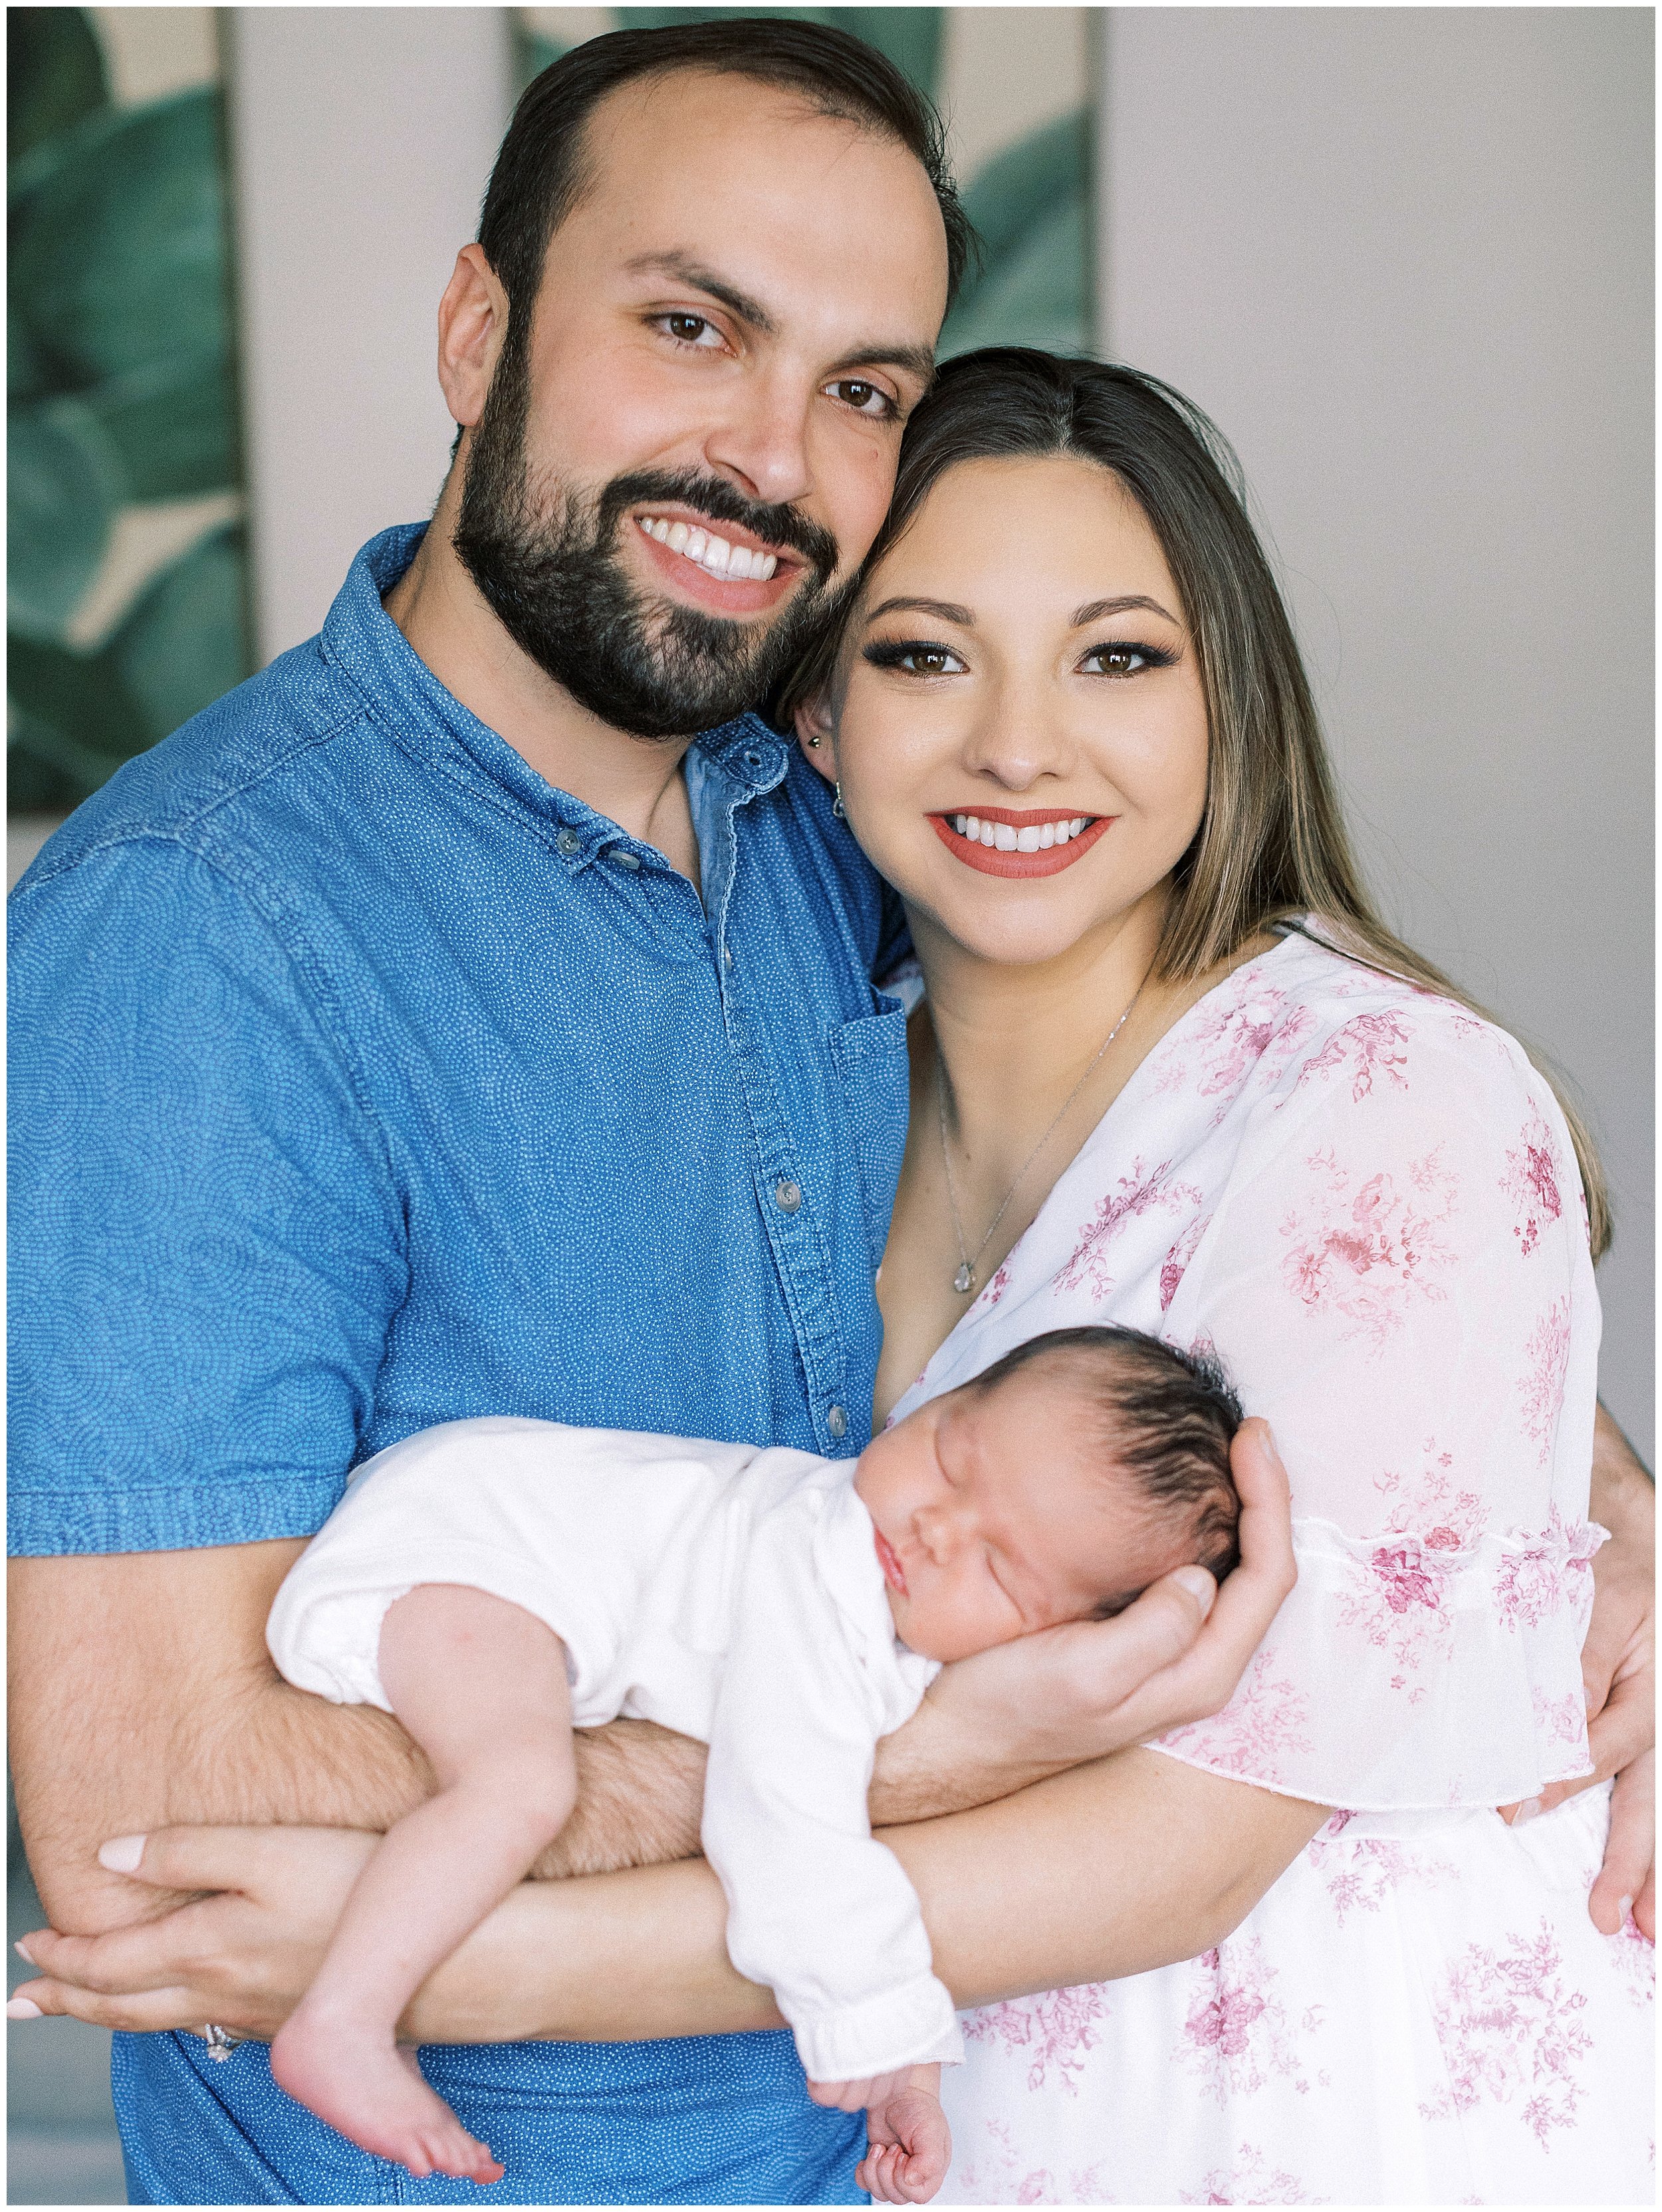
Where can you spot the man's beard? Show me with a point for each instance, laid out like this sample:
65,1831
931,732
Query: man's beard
557,584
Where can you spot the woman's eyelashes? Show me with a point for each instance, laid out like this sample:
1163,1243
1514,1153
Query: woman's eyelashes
912,656
916,656
1121,658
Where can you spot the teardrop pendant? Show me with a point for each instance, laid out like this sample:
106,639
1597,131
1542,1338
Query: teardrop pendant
964,1281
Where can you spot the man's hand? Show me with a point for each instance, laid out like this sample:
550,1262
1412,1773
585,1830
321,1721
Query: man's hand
992,1724
1619,1674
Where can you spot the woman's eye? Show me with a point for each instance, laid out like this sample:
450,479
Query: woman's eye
1124,660
691,330
915,660
864,399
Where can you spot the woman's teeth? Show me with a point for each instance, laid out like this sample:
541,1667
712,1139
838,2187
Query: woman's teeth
1005,838
712,553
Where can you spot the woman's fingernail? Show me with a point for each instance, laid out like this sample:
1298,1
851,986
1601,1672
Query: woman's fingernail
122,1854
1624,1905
1199,1585
20,2008
22,1952
1526,1811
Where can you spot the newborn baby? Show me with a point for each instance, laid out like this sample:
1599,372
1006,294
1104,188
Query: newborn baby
497,1582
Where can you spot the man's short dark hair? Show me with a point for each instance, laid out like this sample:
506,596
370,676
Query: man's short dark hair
542,170
1170,1417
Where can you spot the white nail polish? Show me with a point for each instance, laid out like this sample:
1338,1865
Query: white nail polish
1624,1905
1198,1583
1526,1811
122,1854
20,2008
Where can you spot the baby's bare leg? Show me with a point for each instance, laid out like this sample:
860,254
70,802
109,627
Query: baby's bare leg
481,1686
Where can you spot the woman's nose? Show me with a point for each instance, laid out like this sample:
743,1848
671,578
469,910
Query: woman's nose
1019,736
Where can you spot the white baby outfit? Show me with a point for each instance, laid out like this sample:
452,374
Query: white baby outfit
730,1593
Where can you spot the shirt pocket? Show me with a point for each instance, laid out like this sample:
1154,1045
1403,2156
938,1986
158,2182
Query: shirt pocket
869,1061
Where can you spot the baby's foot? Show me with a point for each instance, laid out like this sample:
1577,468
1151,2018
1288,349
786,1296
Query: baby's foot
375,2094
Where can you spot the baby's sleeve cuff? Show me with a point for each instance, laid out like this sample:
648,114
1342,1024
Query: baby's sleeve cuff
912,2025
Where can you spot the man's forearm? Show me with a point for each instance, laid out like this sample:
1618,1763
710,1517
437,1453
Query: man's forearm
142,1697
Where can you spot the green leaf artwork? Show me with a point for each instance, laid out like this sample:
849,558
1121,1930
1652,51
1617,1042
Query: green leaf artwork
121,395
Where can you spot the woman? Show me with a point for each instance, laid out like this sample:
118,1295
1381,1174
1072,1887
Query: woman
1321,1162
1144,1089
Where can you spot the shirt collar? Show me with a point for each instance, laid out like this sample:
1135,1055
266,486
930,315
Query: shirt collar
361,639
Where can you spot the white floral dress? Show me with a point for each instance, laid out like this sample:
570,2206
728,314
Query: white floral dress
1366,1201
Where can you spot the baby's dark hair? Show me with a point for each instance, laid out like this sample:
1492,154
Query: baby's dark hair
1171,1415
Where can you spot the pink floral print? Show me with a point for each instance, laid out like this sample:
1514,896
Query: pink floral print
1144,1190
1237,2035
1372,1047
1531,1181
1543,1384
1512,2034
1056,2029
1420,2005
1369,1250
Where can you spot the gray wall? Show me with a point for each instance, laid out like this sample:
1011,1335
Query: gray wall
1403,257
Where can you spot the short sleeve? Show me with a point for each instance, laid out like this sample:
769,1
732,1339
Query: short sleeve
206,1244
1397,1275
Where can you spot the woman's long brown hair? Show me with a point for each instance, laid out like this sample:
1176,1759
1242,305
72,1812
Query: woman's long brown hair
1271,848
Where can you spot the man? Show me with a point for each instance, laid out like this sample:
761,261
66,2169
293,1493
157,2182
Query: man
433,1029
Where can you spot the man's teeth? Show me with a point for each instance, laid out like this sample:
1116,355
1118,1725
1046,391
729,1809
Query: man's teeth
1005,838
710,551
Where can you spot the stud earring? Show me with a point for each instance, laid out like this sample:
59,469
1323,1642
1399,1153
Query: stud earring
837,806
813,745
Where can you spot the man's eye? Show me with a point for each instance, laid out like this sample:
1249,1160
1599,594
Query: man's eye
691,330
864,399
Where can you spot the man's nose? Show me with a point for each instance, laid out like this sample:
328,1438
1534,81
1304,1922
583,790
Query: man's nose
762,444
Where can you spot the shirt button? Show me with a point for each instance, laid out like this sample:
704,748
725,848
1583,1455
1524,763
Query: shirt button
836,1424
786,1196
566,842
727,954
630,860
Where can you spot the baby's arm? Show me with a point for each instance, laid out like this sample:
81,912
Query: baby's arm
818,1910
908,2144
481,1686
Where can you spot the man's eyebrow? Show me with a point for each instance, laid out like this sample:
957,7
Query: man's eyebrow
1094,610
945,608
913,359
675,264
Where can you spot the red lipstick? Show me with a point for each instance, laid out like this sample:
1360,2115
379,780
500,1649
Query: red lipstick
991,862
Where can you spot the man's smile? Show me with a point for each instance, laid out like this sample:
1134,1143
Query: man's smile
1000,841
722,567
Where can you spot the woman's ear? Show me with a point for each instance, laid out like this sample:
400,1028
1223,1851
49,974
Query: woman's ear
816,736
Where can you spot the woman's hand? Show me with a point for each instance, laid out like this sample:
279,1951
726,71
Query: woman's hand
242,1957
992,1724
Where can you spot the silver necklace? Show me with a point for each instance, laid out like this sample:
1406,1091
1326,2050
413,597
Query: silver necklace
964,1281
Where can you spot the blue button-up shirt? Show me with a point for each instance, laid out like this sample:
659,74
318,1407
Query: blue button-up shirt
361,1080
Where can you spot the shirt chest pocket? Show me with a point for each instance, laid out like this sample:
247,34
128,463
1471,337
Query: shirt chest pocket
868,1062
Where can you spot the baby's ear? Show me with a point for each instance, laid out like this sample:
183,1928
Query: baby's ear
815,735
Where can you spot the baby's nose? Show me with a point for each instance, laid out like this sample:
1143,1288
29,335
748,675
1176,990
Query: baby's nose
940,1532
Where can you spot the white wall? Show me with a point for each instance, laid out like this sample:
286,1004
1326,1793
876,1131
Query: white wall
1404,257
361,140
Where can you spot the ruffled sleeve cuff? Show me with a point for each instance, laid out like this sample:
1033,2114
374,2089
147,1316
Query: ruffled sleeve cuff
1415,1671
912,2026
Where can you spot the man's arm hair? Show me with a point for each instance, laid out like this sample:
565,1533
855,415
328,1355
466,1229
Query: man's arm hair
142,1696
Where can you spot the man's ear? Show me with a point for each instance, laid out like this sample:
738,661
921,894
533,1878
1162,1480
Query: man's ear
816,736
473,320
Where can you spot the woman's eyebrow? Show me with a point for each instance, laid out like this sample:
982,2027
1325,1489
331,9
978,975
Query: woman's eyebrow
1094,610
945,608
